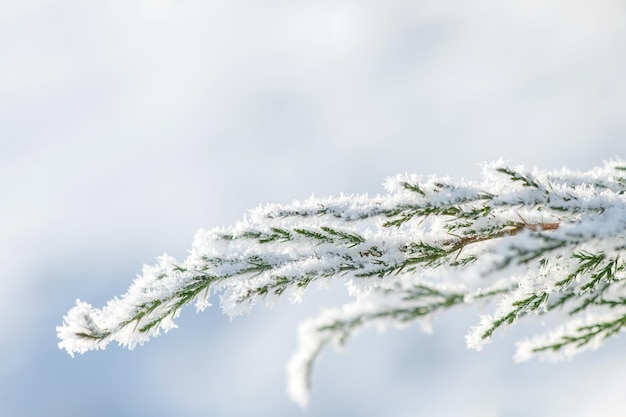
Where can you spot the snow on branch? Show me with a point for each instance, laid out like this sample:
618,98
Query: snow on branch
523,242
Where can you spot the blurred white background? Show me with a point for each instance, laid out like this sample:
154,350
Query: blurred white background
127,125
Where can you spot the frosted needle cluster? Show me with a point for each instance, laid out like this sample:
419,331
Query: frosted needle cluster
519,243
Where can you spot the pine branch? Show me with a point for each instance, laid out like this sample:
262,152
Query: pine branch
523,242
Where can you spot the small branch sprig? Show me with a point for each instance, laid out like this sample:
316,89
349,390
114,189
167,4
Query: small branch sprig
523,242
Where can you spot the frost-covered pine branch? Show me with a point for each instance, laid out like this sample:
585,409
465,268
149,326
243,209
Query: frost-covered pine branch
520,242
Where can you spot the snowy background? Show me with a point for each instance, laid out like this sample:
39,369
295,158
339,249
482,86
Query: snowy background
127,125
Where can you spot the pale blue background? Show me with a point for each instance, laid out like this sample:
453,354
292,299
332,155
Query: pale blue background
127,125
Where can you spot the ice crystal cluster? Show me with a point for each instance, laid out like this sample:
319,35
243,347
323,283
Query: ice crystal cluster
520,242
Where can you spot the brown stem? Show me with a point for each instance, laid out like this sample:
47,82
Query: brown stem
457,244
